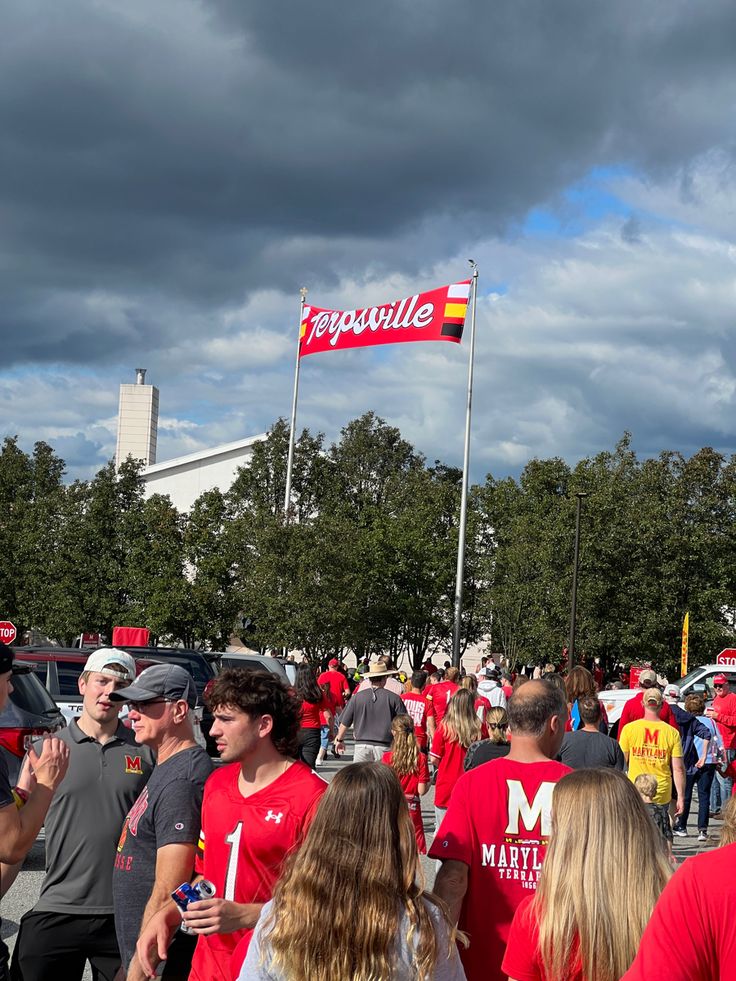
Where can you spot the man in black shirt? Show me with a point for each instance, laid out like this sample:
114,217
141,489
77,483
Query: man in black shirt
588,748
159,838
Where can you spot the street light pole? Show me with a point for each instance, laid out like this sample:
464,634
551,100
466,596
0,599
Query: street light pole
576,561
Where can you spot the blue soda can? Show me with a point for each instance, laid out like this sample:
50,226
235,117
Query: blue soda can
188,893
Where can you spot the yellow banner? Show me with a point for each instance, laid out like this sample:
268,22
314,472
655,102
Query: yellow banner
685,639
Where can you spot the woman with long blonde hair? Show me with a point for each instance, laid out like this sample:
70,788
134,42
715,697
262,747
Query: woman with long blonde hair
411,767
351,903
603,872
459,728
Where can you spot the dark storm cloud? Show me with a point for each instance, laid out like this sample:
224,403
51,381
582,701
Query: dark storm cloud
172,157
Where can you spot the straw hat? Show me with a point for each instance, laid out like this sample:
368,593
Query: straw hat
377,671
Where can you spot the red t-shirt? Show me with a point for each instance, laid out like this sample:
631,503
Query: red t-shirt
450,768
331,703
725,708
481,706
634,710
244,842
313,712
441,693
420,708
522,961
690,935
410,786
498,824
339,686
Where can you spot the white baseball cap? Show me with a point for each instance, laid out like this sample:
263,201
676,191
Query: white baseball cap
109,660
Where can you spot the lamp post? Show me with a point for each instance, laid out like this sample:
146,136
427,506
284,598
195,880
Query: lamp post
576,561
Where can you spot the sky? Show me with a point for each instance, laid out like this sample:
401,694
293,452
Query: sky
171,174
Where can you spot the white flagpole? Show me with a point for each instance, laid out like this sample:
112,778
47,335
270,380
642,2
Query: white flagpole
292,428
464,492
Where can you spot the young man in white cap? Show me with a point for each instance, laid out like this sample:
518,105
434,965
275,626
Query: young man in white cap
23,813
159,838
371,713
73,921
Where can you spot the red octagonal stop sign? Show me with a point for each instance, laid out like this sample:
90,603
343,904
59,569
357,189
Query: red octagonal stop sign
7,631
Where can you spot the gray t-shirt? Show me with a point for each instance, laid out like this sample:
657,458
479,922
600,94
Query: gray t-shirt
590,751
446,969
371,712
85,817
168,812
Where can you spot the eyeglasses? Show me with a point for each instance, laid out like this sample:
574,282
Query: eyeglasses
142,706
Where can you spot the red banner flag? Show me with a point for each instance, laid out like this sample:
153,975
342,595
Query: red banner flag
438,315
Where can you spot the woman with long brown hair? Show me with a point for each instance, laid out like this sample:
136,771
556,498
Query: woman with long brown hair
459,728
411,767
351,902
603,872
579,683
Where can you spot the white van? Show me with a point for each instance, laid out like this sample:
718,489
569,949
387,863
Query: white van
698,680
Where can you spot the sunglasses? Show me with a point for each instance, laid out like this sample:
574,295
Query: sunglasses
498,725
142,706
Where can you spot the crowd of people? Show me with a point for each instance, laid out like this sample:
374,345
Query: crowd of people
552,840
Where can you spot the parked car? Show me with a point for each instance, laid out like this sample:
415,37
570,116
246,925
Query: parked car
31,712
253,662
59,668
698,680
199,666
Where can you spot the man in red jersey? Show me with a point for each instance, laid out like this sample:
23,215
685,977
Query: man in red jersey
419,707
253,814
338,685
494,836
634,709
690,935
442,692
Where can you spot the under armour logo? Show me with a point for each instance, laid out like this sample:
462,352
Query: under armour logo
274,817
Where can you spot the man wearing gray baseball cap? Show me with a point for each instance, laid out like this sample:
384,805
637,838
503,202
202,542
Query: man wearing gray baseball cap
159,838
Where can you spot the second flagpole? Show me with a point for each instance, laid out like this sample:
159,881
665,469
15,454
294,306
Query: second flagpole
292,427
464,493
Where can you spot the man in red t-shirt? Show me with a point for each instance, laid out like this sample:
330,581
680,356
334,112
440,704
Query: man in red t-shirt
634,709
420,708
690,935
337,683
442,692
723,713
254,812
494,835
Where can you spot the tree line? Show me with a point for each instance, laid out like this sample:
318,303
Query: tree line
367,560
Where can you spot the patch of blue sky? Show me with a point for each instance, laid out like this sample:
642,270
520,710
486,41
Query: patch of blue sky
581,205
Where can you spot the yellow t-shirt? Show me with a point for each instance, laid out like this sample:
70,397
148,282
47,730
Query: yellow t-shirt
651,746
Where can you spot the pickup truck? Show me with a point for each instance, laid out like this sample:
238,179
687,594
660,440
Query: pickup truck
698,680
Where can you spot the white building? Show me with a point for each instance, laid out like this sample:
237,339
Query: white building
137,421
185,477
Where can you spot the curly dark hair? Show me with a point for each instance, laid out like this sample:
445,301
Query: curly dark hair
259,693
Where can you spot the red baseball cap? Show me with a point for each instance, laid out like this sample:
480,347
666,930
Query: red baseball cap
720,679
333,663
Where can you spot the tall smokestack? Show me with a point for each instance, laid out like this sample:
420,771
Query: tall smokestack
137,421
